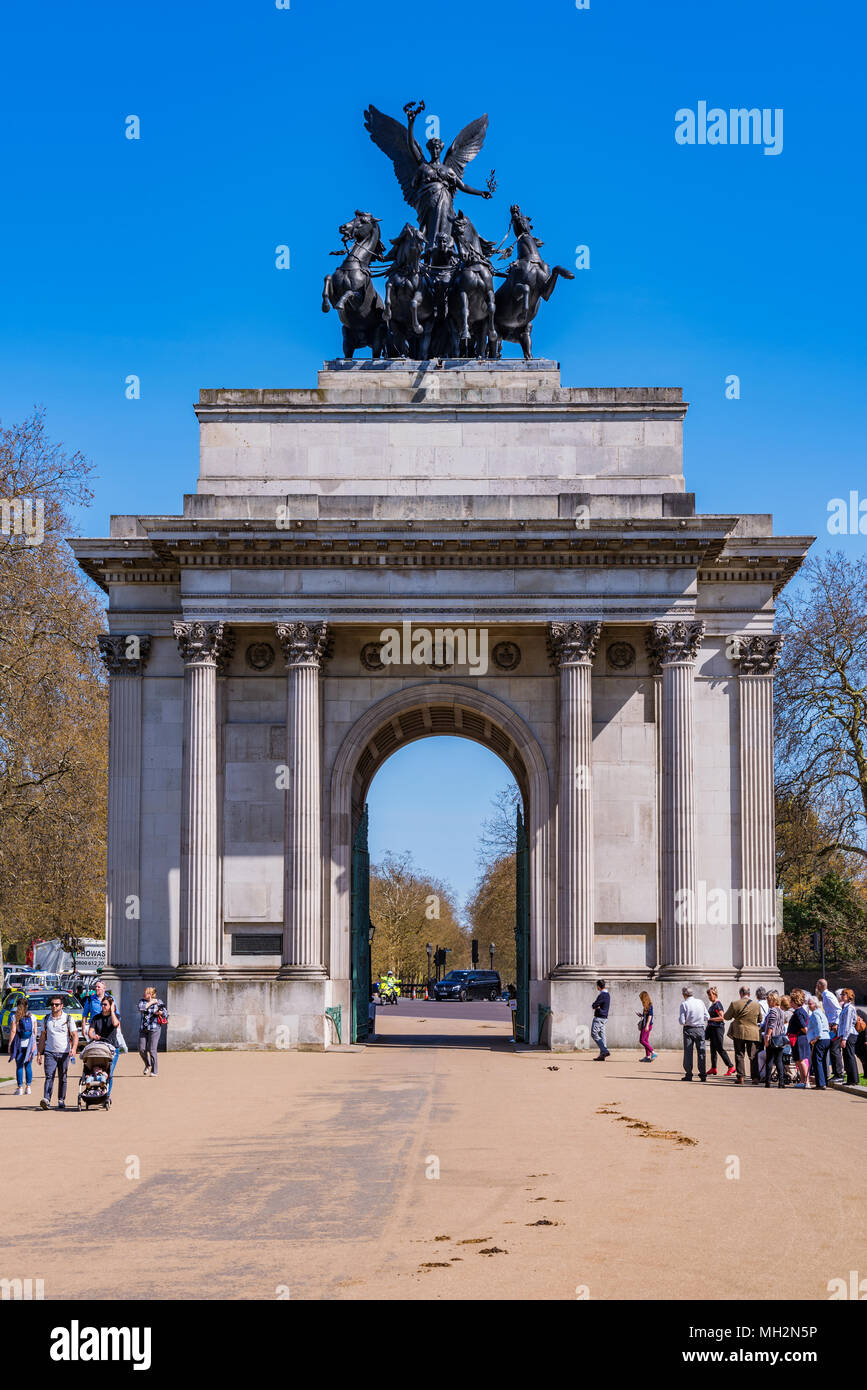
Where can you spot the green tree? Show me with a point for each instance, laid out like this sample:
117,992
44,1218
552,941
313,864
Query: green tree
834,903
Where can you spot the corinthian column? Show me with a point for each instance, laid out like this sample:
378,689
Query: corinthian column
757,658
125,656
672,648
306,647
572,647
206,649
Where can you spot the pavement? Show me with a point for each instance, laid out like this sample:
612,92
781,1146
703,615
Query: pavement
438,1162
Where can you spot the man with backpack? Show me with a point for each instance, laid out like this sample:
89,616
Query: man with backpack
58,1044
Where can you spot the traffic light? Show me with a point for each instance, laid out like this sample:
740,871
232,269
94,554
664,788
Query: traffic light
475,955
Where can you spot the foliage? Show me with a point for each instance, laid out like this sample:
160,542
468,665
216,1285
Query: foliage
53,704
821,715
408,910
491,911
835,903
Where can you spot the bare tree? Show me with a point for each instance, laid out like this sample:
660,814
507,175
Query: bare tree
821,708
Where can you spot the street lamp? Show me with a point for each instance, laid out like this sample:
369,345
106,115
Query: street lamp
492,955
370,930
429,949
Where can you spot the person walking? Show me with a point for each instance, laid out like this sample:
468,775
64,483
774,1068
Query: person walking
57,1046
93,1004
601,1007
776,1040
745,1015
22,1046
153,1016
832,1008
798,1038
105,1026
693,1018
645,1026
847,1033
819,1037
715,1034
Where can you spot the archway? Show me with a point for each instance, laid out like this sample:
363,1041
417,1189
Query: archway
426,710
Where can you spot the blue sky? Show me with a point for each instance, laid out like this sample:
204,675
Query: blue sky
156,257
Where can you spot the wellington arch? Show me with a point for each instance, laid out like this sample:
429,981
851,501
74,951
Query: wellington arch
627,675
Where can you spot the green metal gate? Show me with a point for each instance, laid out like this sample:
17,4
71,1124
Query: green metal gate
360,933
522,932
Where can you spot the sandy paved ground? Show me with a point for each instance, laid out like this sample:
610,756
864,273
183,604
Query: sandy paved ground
306,1174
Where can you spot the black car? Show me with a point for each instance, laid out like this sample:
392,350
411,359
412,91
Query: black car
469,984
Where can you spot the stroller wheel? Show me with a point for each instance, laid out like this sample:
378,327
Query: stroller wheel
108,1103
79,1103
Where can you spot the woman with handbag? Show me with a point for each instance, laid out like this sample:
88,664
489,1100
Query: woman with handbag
645,1025
715,1033
776,1041
153,1016
22,1046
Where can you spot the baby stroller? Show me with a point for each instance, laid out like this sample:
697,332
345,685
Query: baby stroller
94,1084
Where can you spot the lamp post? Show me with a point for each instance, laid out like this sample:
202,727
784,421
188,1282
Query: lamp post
370,930
492,954
429,949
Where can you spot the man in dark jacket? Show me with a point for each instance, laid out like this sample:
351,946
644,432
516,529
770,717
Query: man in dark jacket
601,1006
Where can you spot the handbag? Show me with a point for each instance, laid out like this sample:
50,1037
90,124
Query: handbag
860,1024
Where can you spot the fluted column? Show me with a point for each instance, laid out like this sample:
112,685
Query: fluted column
306,648
206,649
572,647
757,658
125,656
672,648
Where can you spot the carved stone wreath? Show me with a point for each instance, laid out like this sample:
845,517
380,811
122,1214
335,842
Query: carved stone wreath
621,655
371,656
259,656
506,655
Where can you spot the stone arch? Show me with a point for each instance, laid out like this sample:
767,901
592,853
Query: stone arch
426,710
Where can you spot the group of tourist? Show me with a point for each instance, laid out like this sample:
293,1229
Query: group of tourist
798,1039
55,1045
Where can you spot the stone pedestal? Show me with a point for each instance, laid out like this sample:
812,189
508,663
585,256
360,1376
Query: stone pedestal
572,647
205,648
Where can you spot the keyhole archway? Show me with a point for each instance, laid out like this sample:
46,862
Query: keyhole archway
425,710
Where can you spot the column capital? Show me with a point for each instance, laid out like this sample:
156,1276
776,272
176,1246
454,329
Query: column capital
124,653
205,644
305,644
757,655
571,643
673,641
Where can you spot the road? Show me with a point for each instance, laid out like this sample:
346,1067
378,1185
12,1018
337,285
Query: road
406,1171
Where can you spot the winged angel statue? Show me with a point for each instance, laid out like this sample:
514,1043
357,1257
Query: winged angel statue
429,185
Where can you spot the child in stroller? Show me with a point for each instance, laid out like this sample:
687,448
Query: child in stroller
94,1084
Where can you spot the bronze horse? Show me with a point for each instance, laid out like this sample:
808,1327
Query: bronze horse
528,281
350,289
471,302
410,307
